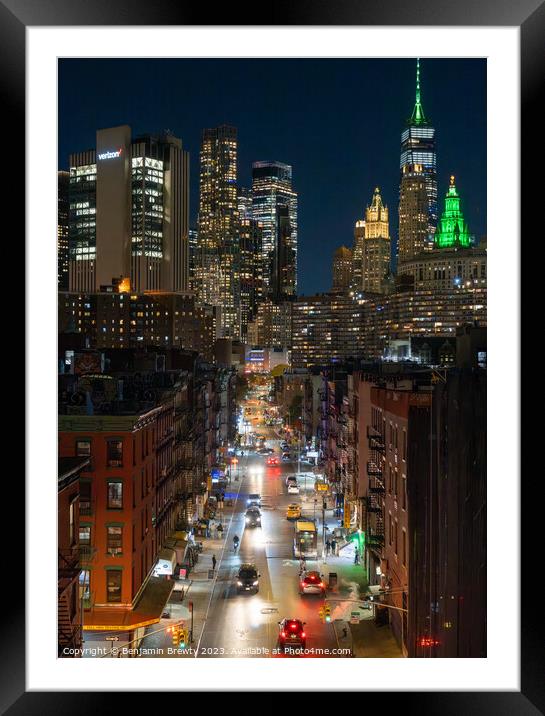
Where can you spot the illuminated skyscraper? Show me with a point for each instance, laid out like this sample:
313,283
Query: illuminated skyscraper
63,178
218,271
376,245
452,230
418,185
128,213
357,256
272,190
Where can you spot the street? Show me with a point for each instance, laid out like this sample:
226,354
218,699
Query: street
230,625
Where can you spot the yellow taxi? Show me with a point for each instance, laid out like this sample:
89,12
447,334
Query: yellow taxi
293,512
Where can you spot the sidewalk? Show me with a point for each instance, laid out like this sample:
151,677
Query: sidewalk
366,639
197,589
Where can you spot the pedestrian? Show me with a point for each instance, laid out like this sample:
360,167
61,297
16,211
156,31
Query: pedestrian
333,547
327,547
220,530
356,556
214,562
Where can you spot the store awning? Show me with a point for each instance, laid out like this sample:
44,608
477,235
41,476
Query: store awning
166,562
146,611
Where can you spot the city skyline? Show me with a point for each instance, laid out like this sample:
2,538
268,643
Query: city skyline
330,201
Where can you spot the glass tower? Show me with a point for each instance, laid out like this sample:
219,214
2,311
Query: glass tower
418,184
271,192
218,269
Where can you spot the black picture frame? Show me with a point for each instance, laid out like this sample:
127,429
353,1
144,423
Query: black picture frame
529,15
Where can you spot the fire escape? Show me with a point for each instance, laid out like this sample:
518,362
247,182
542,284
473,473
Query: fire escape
376,492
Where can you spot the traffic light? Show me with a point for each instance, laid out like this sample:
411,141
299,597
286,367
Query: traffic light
183,637
175,635
327,613
321,613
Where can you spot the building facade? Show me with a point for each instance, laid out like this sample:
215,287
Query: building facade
114,319
63,180
343,264
272,189
218,266
376,245
251,271
128,213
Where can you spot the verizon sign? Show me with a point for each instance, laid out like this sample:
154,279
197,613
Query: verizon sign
111,155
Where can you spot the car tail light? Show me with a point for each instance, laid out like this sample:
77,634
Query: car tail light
293,627
303,634
283,634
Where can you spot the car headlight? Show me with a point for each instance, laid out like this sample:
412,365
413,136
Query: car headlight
256,583
239,584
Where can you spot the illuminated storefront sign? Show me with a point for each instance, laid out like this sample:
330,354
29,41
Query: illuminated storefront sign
111,155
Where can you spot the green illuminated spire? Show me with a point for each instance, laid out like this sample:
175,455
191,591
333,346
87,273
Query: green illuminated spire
418,116
452,230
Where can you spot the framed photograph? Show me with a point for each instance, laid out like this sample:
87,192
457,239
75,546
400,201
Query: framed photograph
257,351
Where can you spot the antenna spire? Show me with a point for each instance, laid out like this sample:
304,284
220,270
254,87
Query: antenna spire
418,116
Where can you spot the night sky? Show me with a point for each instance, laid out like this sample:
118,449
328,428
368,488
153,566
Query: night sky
337,122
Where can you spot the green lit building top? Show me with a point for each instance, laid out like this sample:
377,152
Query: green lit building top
452,230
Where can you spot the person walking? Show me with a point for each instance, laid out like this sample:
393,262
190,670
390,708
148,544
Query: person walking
214,562
333,547
327,547
356,556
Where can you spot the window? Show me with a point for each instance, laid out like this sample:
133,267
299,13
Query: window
83,448
113,585
404,445
85,588
115,453
114,539
85,535
404,492
115,495
391,528
404,547
85,492
395,537
396,486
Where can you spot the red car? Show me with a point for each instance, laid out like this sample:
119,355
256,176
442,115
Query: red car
292,634
273,460
311,583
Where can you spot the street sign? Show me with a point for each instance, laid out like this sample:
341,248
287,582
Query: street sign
111,638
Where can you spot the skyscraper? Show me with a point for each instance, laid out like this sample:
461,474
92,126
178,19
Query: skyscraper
128,213
452,230
418,184
63,178
218,271
376,245
357,256
271,190
342,269
251,271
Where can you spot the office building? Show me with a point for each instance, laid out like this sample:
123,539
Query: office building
376,245
128,215
343,262
251,271
217,273
271,190
418,183
357,256
63,179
